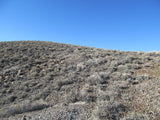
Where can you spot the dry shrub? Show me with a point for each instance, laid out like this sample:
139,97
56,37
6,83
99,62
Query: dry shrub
94,79
73,96
111,111
98,78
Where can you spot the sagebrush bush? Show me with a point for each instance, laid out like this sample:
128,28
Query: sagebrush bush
154,54
93,62
141,78
10,99
126,76
105,76
94,79
111,111
73,96
49,77
42,94
80,66
87,93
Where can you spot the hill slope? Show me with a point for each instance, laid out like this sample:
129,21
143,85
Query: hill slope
45,80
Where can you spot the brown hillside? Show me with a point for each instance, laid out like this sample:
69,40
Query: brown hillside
53,81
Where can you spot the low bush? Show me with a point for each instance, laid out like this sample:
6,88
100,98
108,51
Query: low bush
93,79
42,94
73,96
110,111
98,78
80,66
141,78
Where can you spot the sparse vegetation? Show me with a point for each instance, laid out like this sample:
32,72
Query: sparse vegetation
45,80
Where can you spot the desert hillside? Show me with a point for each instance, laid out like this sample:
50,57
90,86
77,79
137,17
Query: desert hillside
53,81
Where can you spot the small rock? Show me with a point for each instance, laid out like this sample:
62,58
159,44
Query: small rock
135,82
24,118
124,85
12,98
6,77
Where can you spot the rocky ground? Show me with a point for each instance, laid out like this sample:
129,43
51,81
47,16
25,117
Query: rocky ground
52,81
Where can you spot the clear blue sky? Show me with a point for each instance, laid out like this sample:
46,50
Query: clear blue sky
132,25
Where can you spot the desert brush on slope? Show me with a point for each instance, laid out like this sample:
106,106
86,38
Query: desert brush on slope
46,80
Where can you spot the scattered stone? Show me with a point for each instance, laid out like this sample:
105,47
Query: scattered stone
124,85
24,118
135,82
12,98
